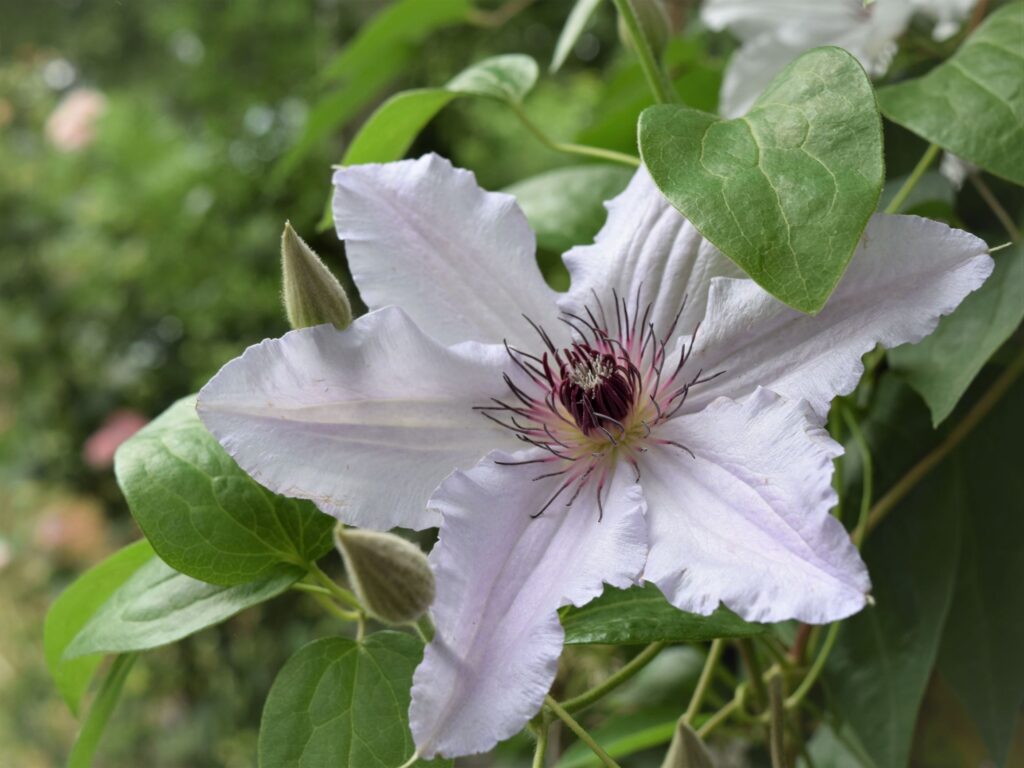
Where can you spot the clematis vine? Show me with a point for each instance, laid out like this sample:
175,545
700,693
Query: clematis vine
775,32
660,422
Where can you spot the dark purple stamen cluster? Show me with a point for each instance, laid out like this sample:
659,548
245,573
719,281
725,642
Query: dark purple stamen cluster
596,387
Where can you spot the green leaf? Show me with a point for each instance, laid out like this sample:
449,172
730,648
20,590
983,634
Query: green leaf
338,702
943,365
89,736
980,656
204,515
787,190
157,605
383,50
579,16
879,668
565,206
73,609
973,103
624,735
392,128
643,615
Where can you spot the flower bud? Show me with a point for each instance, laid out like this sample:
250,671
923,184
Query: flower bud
390,575
686,750
654,23
312,295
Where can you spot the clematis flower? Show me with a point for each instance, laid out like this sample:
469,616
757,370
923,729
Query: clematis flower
774,32
660,422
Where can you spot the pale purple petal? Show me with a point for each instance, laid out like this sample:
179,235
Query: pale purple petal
906,273
646,245
746,522
365,422
422,235
501,577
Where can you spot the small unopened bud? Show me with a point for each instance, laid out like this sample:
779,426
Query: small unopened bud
654,24
312,295
390,575
686,750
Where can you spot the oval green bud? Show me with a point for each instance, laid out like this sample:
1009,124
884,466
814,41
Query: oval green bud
312,295
390,576
654,24
686,750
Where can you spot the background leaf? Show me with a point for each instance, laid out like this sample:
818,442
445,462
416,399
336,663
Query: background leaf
565,206
72,611
88,739
582,11
981,655
786,191
973,103
643,615
309,718
204,515
157,605
943,365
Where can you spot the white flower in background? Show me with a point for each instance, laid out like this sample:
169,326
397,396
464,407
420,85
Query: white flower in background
72,124
774,32
596,436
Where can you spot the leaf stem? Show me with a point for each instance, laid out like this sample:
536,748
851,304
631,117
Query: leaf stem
572,149
540,751
868,475
997,208
915,176
656,78
778,722
580,731
749,656
819,664
630,668
338,591
714,654
334,609
920,470
719,717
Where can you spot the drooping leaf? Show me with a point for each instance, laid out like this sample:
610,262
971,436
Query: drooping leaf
943,365
204,515
88,739
394,125
643,615
980,655
565,206
579,16
73,609
973,103
382,50
343,703
787,190
879,668
157,605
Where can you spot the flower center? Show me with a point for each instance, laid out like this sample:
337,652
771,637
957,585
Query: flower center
597,401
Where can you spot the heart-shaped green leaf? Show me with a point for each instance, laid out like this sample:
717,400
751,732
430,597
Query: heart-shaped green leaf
787,190
972,104
339,702
204,515
643,615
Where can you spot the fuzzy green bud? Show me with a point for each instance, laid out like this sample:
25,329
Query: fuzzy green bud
390,575
654,24
312,295
686,750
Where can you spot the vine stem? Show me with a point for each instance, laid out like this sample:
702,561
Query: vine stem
580,731
335,589
778,722
997,208
915,176
629,669
920,470
868,471
819,664
572,149
541,750
714,654
653,73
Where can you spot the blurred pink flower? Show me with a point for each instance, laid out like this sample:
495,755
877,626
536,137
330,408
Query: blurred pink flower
72,124
98,451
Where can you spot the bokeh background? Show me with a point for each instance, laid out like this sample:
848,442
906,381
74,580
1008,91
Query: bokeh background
150,153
